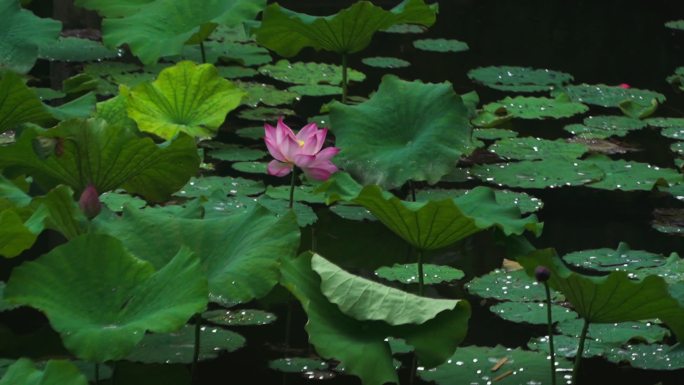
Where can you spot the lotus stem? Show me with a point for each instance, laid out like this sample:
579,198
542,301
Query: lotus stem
580,350
203,52
549,324
97,373
412,189
196,352
292,186
344,78
421,280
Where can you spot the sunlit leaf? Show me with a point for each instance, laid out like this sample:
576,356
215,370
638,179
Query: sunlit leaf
529,107
551,172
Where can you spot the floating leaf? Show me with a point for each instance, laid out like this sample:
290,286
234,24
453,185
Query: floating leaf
352,212
75,49
405,28
297,364
225,185
673,132
116,201
528,107
621,259
316,89
81,107
675,24
56,372
649,357
303,193
251,167
406,131
529,148
239,317
350,30
178,347
552,172
234,153
616,333
630,176
255,133
408,273
385,62
509,286
265,113
22,34
19,104
677,78
531,312
102,306
519,79
441,45
187,98
567,346
474,365
236,72
247,54
609,96
304,213
677,148
525,202
259,93
309,73
493,133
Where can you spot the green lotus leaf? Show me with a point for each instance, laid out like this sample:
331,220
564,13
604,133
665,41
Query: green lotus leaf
530,148
47,94
56,372
613,123
82,152
350,30
186,98
19,104
297,365
473,365
352,212
110,75
236,72
385,62
251,167
75,49
248,54
209,185
673,132
117,200
161,28
62,212
303,193
303,212
361,346
638,109
677,78
101,299
609,96
519,79
528,107
616,333
22,34
567,346
406,131
4,306
509,286
649,357
264,114
493,133
19,231
408,273
623,258
365,300
315,89
551,172
81,107
254,133
672,271
79,84
675,24
113,110
239,317
677,148
178,347
117,8
525,202
405,29
239,252
434,224
531,312
441,45
665,122
260,93
611,298
309,73
630,176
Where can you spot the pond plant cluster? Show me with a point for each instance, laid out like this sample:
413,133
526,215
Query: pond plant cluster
145,223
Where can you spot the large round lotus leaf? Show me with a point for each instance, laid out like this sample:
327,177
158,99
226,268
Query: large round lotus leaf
350,30
235,153
476,365
611,298
56,372
673,132
225,185
178,347
493,133
101,299
405,131
239,252
623,258
186,98
525,202
75,49
309,73
529,148
529,107
304,213
265,114
616,333
675,24
239,317
595,132
531,312
408,273
116,201
297,364
22,34
405,28
629,176
236,72
316,89
162,28
302,193
519,79
260,93
610,96
434,224
109,157
567,346
441,45
551,172
251,167
361,346
648,357
365,300
19,104
614,123
385,62
509,286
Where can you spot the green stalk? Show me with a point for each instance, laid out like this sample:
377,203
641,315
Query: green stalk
204,54
549,323
580,350
344,78
421,280
196,352
292,186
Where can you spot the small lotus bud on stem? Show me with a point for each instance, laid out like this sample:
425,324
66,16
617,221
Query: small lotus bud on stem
89,202
542,273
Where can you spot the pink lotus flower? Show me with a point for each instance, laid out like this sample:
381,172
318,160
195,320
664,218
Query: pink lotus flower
304,150
624,86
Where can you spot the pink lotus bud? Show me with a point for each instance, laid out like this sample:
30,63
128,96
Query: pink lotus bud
542,273
624,85
89,202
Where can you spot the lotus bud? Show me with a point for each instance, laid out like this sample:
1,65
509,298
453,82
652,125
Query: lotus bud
624,86
542,273
89,202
